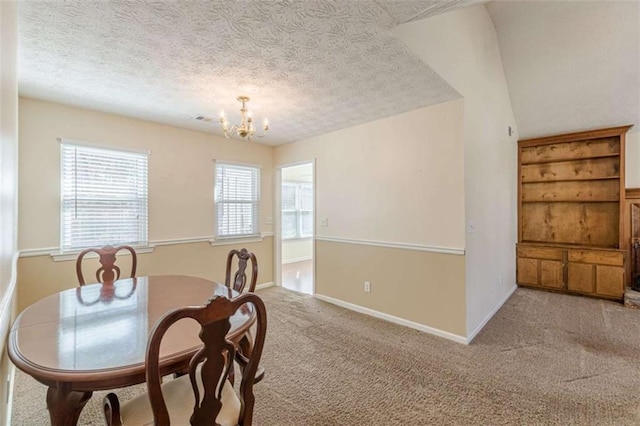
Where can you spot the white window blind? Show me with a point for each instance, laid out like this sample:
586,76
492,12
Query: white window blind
297,210
104,197
237,198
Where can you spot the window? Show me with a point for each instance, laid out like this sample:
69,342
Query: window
237,198
104,197
297,210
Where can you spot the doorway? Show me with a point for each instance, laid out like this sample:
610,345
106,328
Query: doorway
297,227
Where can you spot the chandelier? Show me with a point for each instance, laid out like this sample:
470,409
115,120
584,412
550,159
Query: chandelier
245,129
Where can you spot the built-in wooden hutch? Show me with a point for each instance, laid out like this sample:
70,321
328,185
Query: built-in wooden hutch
632,235
571,212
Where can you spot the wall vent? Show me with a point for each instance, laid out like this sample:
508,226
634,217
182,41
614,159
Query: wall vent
203,118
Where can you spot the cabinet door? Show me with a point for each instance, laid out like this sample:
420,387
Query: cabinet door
551,274
610,281
580,277
527,271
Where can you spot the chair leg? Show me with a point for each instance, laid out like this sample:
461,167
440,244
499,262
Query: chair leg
111,407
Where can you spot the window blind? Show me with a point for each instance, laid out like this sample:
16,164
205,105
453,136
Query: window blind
237,198
297,210
104,197
306,210
289,210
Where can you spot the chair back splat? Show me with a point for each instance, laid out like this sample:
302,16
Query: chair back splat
216,401
240,277
108,270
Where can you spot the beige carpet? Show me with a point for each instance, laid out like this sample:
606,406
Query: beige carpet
543,359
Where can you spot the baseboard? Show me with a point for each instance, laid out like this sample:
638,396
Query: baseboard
396,320
490,315
10,385
265,285
297,259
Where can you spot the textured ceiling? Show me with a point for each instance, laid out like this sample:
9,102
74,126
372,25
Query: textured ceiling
570,65
309,66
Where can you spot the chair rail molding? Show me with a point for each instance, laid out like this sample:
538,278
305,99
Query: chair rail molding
388,244
58,256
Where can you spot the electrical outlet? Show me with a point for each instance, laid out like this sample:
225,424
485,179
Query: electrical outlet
500,280
269,220
324,221
367,287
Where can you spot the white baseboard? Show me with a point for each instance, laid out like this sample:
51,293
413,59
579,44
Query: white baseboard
490,315
265,285
10,384
297,259
401,321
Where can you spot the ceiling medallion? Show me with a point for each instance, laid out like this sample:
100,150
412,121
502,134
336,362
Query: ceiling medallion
245,129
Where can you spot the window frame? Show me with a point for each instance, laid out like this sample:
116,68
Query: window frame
142,197
255,168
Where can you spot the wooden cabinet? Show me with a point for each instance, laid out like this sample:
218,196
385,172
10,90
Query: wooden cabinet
571,198
541,266
586,271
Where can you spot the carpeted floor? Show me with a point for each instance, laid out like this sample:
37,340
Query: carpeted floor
544,359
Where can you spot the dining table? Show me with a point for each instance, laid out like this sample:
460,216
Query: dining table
94,337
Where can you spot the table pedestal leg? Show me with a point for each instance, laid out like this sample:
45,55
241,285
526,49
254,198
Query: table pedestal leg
65,405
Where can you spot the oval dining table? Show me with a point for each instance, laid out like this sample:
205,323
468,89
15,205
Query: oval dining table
94,337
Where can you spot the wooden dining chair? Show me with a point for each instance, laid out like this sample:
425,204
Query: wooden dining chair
204,396
240,276
109,271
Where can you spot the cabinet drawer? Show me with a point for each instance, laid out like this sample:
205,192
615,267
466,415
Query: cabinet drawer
600,257
540,252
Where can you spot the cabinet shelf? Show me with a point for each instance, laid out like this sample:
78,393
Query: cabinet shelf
617,154
572,180
571,189
611,200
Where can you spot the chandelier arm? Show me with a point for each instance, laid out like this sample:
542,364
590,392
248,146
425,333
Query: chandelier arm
246,128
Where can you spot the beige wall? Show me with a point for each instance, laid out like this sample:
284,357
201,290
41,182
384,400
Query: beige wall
396,181
632,159
8,188
39,276
423,287
399,179
297,250
462,47
181,171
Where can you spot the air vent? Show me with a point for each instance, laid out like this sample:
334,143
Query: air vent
203,118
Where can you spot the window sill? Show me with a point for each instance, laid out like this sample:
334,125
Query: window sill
73,255
227,241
